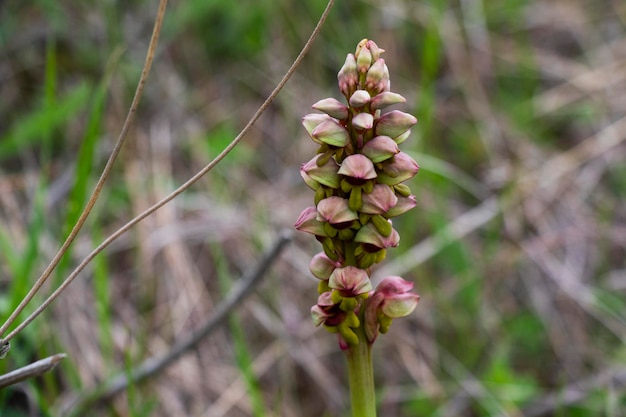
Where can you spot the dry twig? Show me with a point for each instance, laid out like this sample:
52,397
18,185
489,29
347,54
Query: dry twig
31,370
155,365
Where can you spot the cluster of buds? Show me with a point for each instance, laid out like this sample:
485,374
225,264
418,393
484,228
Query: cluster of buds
358,175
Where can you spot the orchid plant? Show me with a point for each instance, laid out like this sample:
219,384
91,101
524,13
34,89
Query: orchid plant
358,177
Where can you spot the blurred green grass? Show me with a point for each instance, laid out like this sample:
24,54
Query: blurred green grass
520,310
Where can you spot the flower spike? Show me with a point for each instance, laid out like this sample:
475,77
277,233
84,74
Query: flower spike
358,176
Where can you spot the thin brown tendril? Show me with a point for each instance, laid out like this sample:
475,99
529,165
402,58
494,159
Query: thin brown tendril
184,186
99,185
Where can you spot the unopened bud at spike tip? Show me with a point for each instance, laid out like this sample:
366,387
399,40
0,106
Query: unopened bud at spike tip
348,76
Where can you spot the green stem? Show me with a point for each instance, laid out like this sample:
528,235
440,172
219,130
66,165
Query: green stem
361,376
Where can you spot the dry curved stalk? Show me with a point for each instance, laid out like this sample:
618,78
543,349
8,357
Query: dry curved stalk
176,192
97,189
5,341
31,370
154,365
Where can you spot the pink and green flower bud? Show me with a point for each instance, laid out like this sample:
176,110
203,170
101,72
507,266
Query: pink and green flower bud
394,285
372,240
358,168
398,169
394,124
380,149
363,121
348,76
332,107
311,121
363,56
308,222
322,266
374,49
335,211
398,300
385,99
400,305
392,299
379,201
404,204
368,52
326,311
314,175
359,98
350,281
377,77
331,133
318,315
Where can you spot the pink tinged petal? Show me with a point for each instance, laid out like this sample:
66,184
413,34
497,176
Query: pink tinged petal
348,76
379,201
401,168
335,210
375,49
350,281
404,204
373,241
307,222
385,99
370,316
399,305
377,76
394,285
359,167
359,98
331,133
386,83
363,121
327,174
332,107
394,123
311,121
380,149
322,266
314,185
318,315
325,300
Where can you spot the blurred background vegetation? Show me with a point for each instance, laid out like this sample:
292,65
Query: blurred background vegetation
517,245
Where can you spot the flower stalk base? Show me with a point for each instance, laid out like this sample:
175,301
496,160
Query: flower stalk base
361,377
